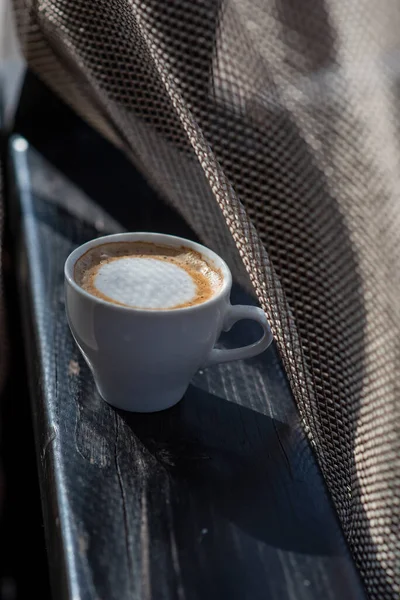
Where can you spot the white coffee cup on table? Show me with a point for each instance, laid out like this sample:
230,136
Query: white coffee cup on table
146,310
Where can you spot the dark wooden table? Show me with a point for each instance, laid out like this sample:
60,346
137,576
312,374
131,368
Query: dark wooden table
217,498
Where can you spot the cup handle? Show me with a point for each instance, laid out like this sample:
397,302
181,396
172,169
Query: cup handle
236,313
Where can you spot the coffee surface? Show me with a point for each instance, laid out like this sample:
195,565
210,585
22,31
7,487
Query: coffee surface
146,275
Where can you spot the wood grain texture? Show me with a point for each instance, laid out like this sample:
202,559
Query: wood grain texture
219,497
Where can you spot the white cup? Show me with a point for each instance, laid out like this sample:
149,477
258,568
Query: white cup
143,360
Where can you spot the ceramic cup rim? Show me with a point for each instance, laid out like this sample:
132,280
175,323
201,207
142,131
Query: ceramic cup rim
162,239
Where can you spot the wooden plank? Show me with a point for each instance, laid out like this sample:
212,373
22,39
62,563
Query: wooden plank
219,497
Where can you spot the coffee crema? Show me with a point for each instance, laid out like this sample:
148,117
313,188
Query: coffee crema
147,275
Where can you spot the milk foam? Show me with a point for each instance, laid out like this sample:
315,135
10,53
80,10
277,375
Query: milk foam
146,275
145,282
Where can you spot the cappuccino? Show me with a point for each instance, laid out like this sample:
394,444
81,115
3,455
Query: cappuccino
147,275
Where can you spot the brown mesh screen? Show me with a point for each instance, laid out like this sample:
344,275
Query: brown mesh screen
273,127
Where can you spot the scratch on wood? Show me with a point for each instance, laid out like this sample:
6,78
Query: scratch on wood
73,368
83,544
89,442
145,555
283,449
49,440
124,507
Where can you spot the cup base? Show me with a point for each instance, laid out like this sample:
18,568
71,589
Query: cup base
148,405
